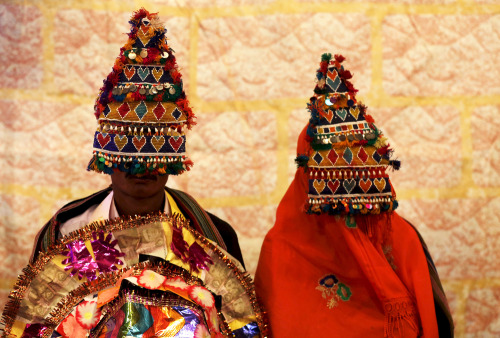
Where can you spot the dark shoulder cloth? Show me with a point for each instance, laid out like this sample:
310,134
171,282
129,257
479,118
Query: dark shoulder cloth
229,236
209,225
49,232
443,313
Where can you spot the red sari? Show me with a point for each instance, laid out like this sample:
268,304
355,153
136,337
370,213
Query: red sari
343,276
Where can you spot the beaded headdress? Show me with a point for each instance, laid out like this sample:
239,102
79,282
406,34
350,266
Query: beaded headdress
348,157
142,109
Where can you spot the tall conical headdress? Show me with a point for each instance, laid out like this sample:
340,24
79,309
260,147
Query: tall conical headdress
348,156
142,110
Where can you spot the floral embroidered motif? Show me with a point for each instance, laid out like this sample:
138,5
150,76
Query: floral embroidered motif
350,222
198,258
333,290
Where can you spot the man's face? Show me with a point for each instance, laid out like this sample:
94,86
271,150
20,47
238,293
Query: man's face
138,186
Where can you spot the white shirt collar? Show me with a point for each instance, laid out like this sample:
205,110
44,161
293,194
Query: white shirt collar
107,208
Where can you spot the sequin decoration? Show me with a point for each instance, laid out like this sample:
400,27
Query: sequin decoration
333,290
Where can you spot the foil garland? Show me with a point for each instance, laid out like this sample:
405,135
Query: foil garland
107,259
245,280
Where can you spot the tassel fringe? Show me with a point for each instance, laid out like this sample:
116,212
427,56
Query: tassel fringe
399,312
102,163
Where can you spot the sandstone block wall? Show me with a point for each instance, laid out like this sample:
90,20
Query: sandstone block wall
428,71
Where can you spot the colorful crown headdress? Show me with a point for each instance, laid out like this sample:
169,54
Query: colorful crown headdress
348,156
142,109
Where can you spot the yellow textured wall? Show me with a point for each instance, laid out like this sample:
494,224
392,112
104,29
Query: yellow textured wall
429,72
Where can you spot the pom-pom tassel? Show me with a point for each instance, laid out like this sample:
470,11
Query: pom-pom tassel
302,160
327,57
395,164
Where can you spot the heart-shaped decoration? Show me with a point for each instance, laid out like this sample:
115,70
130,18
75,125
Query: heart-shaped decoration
365,184
379,183
319,185
103,139
328,115
129,72
342,113
354,112
144,28
349,185
142,35
175,142
143,73
157,142
333,185
333,80
139,142
157,73
121,141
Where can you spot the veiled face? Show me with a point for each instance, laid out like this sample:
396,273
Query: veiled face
138,186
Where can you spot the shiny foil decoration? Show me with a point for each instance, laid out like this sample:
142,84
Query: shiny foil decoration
90,250
81,262
34,330
198,258
179,246
106,256
137,315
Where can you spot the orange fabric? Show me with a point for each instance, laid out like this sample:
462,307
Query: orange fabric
302,249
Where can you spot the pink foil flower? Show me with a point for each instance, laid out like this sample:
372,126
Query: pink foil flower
34,330
179,245
81,262
105,253
198,258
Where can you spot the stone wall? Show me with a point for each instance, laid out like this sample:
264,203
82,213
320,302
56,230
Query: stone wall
426,69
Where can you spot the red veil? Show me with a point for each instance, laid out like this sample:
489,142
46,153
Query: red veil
344,276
